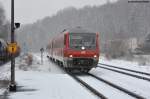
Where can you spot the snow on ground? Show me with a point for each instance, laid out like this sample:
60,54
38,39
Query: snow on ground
138,86
105,89
47,66
4,78
39,85
48,81
4,72
126,64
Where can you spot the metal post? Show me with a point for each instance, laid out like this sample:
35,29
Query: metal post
12,83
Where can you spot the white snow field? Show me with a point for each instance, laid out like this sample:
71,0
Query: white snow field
48,81
39,85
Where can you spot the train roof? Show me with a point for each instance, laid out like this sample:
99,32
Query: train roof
78,30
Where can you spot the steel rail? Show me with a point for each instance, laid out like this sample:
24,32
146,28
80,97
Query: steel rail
94,91
148,74
125,73
118,87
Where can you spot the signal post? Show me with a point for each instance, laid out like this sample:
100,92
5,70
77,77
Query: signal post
12,48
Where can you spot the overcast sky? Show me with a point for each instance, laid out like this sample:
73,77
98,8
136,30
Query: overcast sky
28,11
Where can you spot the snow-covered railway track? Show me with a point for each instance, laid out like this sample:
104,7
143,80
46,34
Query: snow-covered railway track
99,87
100,94
94,91
125,72
117,87
91,89
134,71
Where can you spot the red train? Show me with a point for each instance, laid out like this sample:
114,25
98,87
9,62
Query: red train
75,49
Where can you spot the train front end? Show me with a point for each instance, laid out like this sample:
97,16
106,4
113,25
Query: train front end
82,51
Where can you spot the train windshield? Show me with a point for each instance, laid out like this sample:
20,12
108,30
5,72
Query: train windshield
82,41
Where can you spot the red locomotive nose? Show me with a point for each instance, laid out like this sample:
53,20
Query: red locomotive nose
84,53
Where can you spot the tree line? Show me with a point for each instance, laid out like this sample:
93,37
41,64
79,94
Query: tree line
4,25
120,20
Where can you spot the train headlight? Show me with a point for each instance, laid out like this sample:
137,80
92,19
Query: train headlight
71,56
95,56
83,48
